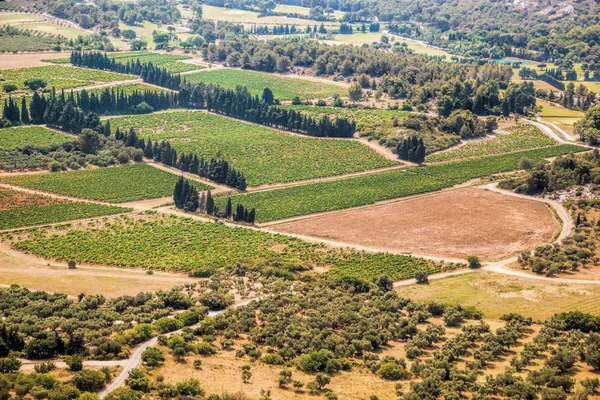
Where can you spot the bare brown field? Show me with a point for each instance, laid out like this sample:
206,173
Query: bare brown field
37,274
9,61
452,224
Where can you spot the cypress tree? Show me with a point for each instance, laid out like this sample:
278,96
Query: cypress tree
177,193
24,113
210,204
228,208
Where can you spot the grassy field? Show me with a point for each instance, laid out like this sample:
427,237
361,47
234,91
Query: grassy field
496,294
115,184
326,196
16,138
283,87
360,38
171,243
521,137
67,31
262,154
284,8
59,77
14,18
144,31
252,18
555,110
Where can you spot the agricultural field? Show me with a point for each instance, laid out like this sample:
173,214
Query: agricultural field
25,42
59,77
494,294
477,167
16,138
520,137
562,117
14,160
18,209
475,221
283,87
112,184
168,61
53,28
380,124
262,154
345,193
249,18
288,9
15,18
334,195
145,29
170,243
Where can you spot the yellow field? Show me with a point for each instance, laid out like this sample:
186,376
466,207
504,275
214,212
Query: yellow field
283,8
370,37
251,18
15,18
54,29
496,294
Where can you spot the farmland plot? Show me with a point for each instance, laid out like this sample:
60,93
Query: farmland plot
19,209
60,77
521,137
283,87
262,154
16,138
335,195
114,184
180,244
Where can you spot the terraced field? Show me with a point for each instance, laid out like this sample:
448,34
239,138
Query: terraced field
264,155
60,77
283,87
16,138
181,244
19,209
521,137
114,184
334,195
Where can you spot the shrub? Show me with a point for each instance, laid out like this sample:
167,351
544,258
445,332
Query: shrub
391,372
421,277
75,363
474,262
9,87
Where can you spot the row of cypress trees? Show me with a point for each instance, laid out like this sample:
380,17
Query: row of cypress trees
149,72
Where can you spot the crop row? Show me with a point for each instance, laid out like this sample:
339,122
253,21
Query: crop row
262,154
50,213
16,138
113,184
181,244
284,88
345,193
521,137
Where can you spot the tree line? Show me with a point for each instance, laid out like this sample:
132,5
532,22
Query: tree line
147,71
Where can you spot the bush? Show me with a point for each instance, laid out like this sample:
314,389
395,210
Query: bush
421,277
75,363
89,381
205,349
9,87
474,262
153,357
273,359
391,372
